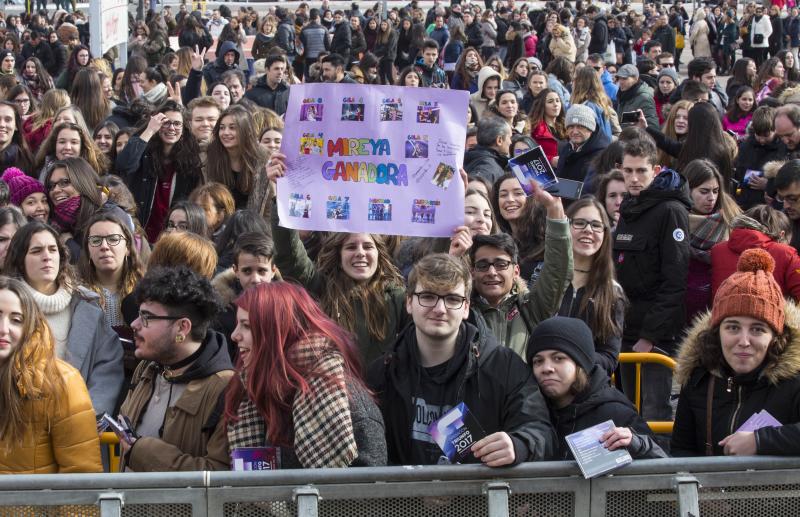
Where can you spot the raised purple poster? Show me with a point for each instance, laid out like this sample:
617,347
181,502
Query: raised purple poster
374,159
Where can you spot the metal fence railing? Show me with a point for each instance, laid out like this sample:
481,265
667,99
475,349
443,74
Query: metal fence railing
729,486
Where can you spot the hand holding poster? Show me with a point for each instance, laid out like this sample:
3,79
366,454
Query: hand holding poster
373,159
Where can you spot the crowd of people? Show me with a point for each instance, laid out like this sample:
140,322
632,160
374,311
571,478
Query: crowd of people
146,273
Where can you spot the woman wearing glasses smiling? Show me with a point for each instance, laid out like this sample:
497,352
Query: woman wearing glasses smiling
82,338
593,295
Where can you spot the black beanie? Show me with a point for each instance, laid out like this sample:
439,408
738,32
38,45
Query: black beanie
569,335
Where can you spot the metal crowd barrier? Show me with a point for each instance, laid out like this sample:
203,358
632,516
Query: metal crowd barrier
111,441
721,486
640,358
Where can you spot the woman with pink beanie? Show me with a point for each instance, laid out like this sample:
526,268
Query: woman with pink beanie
27,193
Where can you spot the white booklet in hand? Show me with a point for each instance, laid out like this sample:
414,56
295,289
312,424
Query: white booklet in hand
592,457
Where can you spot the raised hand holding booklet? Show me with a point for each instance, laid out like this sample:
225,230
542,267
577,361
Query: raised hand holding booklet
455,433
592,457
532,165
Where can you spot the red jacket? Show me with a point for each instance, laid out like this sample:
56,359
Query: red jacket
725,255
541,135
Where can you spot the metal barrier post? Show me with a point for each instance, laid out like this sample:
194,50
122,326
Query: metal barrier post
111,504
688,500
307,499
497,497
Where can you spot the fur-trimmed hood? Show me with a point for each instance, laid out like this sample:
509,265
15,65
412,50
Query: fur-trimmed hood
787,367
771,168
227,286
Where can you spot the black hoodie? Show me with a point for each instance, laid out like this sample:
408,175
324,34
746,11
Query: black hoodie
493,381
651,251
599,403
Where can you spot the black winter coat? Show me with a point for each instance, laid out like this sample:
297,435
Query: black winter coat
775,386
494,382
473,33
753,156
599,403
576,164
599,40
651,251
135,164
266,97
606,352
485,162
666,36
341,42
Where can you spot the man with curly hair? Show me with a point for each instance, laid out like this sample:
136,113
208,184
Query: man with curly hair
175,399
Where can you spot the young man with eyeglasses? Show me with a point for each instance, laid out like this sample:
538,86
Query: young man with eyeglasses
501,296
175,399
651,251
440,361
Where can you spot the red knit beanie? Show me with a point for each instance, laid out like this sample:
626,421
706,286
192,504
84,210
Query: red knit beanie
751,291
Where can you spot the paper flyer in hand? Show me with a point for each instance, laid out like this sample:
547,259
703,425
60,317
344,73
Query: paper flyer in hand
592,457
758,420
455,433
256,458
375,159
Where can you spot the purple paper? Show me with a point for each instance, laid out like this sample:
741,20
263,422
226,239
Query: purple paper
373,159
759,420
256,458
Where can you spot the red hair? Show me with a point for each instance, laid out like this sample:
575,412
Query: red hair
281,315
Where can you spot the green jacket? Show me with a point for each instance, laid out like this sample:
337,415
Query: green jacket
293,262
513,320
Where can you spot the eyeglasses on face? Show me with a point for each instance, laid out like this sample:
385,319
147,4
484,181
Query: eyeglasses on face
499,265
429,300
177,124
112,239
147,317
581,224
62,183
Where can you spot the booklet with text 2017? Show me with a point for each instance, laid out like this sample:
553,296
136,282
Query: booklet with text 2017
455,432
592,457
530,166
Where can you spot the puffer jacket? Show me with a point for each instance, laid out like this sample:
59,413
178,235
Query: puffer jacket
651,253
599,403
212,72
725,256
774,386
62,442
564,47
193,436
513,320
638,97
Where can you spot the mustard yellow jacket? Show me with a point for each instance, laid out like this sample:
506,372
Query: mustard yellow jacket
59,440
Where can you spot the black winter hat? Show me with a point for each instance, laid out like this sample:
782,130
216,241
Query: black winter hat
569,335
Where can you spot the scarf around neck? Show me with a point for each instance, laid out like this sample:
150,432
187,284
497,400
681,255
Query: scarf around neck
323,426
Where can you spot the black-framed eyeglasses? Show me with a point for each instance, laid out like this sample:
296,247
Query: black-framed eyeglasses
112,239
429,300
146,317
581,224
499,265
24,100
177,124
62,183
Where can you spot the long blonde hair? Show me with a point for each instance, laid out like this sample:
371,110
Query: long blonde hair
587,87
30,372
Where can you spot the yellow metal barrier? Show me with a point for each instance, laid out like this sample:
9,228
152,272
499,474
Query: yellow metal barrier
112,443
640,358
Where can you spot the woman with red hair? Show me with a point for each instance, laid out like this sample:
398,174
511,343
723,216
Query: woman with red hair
300,387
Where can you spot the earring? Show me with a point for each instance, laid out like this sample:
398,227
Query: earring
179,338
